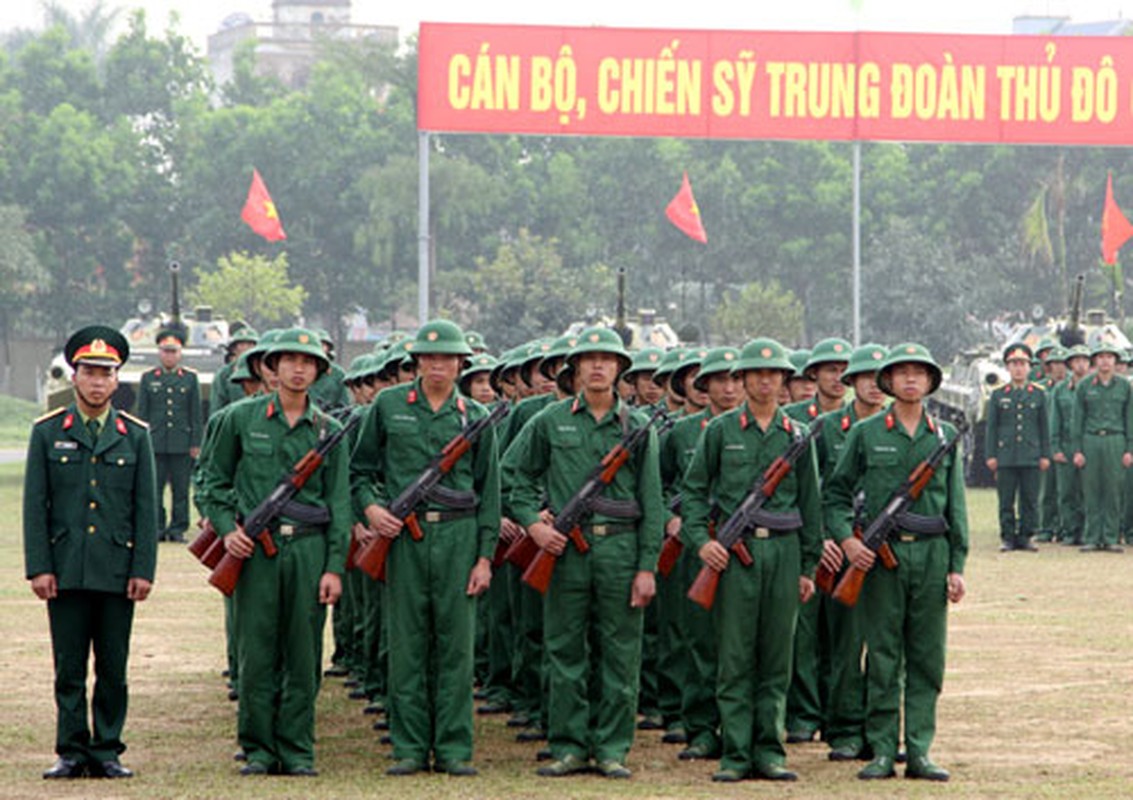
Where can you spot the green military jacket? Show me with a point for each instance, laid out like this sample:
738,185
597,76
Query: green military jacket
877,457
733,452
560,447
1017,432
223,390
170,401
804,410
90,508
329,392
253,447
830,441
1103,410
400,436
1060,407
677,448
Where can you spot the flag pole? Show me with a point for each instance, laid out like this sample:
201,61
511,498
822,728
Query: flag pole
422,227
857,242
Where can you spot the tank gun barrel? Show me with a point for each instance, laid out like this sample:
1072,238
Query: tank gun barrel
175,305
1072,333
620,311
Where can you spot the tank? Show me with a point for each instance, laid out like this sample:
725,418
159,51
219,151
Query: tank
645,329
974,374
206,342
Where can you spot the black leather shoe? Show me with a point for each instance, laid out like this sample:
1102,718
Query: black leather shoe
651,722
302,772
374,708
351,683
494,707
336,671
386,739
358,694
845,752
920,768
254,768
114,769
381,725
799,735
675,735
239,755
879,769
457,769
233,695
533,734
66,768
518,721
544,754
774,772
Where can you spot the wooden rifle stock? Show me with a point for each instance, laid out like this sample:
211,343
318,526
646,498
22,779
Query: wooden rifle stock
371,557
542,567
202,541
226,573
671,550
213,555
849,588
703,589
522,551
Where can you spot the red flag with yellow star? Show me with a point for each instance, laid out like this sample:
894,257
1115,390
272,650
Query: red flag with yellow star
1116,229
260,212
683,212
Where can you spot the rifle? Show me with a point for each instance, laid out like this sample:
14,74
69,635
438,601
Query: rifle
371,557
258,523
825,579
892,518
750,513
569,520
672,547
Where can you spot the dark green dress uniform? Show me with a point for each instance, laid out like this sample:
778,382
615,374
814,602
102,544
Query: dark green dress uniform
905,607
90,519
1017,436
277,616
1102,431
431,618
170,401
1069,482
756,607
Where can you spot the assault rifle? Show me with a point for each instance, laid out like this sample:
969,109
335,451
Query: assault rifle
569,519
258,523
893,517
672,547
750,514
371,557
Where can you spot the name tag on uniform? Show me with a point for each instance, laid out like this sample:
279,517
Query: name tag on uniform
67,445
404,418
734,447
884,448
258,435
566,428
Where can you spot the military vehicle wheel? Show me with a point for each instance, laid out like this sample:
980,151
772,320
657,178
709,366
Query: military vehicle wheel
976,472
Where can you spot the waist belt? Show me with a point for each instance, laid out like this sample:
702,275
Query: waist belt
438,515
783,520
290,530
769,533
1105,432
609,528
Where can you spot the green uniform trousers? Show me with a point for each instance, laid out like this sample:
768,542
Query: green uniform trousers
342,623
756,609
592,697
805,696
906,616
1049,522
647,697
528,677
174,469
1070,514
373,674
699,712
279,631
672,646
845,707
1021,483
1103,479
82,621
1127,508
431,628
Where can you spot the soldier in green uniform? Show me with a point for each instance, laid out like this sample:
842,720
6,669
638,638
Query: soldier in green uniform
906,607
674,401
329,391
223,391
800,386
1069,482
756,606
431,584
843,629
90,534
598,596
279,606
806,699
1102,439
640,374
696,668
1050,522
169,400
1017,448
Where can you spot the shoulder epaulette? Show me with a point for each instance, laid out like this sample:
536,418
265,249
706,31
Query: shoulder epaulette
190,369
54,413
140,422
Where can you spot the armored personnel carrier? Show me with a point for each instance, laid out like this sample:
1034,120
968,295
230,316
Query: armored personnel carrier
206,340
974,374
645,329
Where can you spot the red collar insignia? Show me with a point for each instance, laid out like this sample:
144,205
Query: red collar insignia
846,422
68,421
890,421
743,420
460,404
120,424
271,409
787,423
812,409
411,398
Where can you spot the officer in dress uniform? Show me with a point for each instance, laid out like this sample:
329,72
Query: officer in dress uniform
169,399
90,534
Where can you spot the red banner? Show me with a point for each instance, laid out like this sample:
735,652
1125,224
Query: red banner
775,85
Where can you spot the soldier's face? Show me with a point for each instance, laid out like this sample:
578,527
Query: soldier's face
694,396
762,385
480,388
910,381
724,390
438,370
646,390
1057,369
829,381
866,389
801,389
1018,369
169,357
296,371
94,385
597,371
1079,365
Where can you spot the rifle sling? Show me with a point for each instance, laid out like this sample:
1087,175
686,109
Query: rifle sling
453,499
921,525
305,514
616,509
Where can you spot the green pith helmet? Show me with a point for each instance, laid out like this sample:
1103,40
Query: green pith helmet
1058,355
439,337
475,341
646,360
1018,352
553,359
865,359
905,353
1107,347
256,353
246,334
241,372
298,340
564,379
600,340
1078,350
1046,343
498,371
691,360
717,360
1128,356
98,345
828,351
535,354
764,354
798,359
357,368
670,362
477,365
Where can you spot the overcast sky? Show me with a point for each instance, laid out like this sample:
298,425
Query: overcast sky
199,18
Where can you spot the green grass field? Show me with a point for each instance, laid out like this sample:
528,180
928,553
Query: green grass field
1037,702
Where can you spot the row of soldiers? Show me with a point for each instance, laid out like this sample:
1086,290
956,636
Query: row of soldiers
732,683
1059,439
